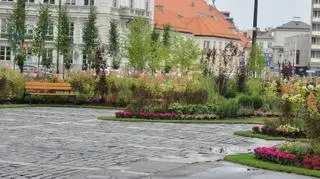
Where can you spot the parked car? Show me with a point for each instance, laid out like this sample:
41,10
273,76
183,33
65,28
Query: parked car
31,70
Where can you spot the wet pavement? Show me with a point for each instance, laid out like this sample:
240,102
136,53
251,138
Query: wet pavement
71,143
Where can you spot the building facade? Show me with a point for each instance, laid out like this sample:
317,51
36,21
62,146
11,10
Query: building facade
297,50
273,41
315,35
120,11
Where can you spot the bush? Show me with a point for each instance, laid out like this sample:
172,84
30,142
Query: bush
227,108
255,102
191,109
297,148
245,101
14,83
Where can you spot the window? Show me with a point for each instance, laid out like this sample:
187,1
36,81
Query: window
261,44
316,1
315,54
5,53
4,28
48,1
206,44
29,30
316,27
147,5
269,44
316,13
297,57
29,1
315,40
7,0
131,4
88,2
114,3
47,56
50,32
71,2
71,30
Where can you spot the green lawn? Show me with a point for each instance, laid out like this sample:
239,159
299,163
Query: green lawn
57,105
224,121
263,136
250,160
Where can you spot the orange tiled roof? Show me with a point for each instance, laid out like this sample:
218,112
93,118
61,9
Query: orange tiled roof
193,16
245,42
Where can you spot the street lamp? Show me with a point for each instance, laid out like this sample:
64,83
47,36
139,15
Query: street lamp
255,22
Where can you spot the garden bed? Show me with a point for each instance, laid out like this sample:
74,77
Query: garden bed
249,159
217,121
252,134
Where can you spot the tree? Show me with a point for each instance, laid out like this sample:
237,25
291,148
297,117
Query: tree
184,53
159,52
138,44
43,22
166,40
64,42
90,34
114,45
16,32
226,61
256,62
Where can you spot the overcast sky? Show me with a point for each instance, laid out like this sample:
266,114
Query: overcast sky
272,13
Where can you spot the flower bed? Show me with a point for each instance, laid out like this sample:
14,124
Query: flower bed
144,115
276,156
281,131
311,162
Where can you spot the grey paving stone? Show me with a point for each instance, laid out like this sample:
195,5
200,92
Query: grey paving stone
71,143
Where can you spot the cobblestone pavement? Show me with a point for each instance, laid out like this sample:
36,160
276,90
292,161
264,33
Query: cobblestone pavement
71,143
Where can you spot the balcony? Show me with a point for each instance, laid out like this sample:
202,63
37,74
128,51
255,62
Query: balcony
127,12
315,60
315,33
315,19
316,47
316,6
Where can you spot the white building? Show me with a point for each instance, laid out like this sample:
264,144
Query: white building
273,41
297,50
122,11
315,35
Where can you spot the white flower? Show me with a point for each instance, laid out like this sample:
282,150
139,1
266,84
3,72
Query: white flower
310,87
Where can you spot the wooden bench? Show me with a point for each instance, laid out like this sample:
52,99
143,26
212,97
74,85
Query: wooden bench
48,89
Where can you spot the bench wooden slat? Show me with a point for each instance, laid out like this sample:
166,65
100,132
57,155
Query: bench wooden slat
51,94
47,84
48,88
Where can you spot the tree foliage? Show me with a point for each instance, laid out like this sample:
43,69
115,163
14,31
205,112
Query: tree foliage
64,42
256,62
114,45
159,52
90,34
16,31
138,44
185,52
41,30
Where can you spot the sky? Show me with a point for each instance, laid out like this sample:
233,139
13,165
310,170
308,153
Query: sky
272,13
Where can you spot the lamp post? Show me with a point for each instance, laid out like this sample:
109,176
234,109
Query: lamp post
255,22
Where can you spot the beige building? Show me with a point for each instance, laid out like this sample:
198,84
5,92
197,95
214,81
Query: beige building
122,11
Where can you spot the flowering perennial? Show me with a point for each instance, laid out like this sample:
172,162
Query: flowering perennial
274,155
311,162
146,115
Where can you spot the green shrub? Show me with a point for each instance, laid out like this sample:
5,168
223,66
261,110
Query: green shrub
231,93
297,148
254,86
257,102
272,123
15,83
245,101
227,108
191,109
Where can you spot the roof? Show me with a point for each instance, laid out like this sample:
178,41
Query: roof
193,16
295,25
267,35
244,41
